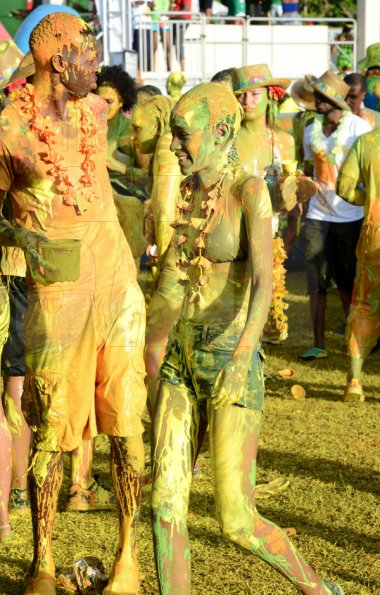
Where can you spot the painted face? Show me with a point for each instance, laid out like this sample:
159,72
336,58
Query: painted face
80,68
355,98
192,142
144,131
113,99
254,103
322,105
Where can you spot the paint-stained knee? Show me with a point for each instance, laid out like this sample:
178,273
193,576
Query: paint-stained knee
237,521
170,502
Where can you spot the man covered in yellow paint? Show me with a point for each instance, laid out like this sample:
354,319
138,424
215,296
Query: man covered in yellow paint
84,325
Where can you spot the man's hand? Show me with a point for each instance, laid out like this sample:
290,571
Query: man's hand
31,243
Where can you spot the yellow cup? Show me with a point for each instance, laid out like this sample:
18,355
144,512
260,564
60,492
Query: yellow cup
289,167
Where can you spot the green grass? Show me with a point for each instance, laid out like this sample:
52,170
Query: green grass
329,450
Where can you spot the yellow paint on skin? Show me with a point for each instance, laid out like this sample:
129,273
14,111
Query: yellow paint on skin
13,416
188,117
113,99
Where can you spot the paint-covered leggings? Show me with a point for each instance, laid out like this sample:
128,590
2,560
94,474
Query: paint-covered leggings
233,435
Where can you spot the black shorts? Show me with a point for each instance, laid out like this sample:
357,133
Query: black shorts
203,4
144,53
330,253
179,30
13,357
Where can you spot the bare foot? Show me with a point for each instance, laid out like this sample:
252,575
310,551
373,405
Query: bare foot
42,584
124,580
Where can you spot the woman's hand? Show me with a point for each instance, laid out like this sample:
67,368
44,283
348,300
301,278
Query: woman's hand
115,164
231,383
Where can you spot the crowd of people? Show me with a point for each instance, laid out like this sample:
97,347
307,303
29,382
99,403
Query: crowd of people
213,187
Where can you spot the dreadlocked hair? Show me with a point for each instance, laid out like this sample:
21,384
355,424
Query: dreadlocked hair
272,113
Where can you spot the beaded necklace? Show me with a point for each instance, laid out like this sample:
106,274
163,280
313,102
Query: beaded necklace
47,132
319,143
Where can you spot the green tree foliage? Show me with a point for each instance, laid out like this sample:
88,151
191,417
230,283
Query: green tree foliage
328,8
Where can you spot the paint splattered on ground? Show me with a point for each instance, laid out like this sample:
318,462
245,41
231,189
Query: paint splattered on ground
329,450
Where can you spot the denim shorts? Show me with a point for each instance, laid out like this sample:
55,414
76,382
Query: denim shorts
196,353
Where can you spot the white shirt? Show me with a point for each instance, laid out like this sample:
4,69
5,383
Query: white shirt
326,205
140,18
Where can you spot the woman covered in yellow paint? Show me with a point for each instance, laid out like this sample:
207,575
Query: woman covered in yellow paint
212,370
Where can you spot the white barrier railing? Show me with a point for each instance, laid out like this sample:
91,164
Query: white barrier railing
168,42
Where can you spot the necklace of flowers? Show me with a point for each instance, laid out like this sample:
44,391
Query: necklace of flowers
277,324
212,211
45,129
319,143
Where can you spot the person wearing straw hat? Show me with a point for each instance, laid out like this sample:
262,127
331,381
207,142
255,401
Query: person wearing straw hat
332,226
85,322
262,147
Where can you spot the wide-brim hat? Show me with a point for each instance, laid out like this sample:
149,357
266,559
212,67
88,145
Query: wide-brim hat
303,94
14,66
248,78
372,58
331,86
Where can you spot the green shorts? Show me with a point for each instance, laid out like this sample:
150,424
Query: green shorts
195,355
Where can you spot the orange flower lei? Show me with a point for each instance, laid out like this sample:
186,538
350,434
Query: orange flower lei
46,131
276,328
212,211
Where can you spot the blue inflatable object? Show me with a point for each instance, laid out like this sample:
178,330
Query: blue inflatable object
22,36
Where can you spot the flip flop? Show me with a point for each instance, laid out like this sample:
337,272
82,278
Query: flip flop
335,588
313,353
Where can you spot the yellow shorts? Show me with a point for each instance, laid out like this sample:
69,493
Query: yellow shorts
84,366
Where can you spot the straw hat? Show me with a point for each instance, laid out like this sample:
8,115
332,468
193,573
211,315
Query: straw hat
248,78
372,58
303,93
14,66
331,86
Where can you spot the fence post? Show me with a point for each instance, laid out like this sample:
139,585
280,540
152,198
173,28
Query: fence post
105,26
203,46
244,48
355,46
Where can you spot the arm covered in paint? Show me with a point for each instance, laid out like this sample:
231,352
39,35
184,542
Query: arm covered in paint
257,212
12,235
165,191
349,183
28,241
